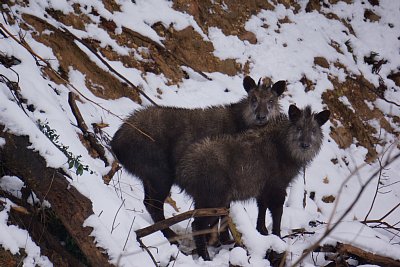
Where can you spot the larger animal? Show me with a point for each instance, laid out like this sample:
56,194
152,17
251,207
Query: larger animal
259,164
165,132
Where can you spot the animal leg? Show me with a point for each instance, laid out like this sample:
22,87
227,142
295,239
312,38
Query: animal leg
276,208
155,195
200,239
262,208
212,237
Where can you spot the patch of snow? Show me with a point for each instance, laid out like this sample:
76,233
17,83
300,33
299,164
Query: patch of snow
13,238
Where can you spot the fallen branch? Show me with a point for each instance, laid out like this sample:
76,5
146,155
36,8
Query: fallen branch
143,246
68,204
180,217
352,251
298,232
379,224
114,168
85,130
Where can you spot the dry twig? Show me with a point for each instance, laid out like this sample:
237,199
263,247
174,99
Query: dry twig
114,168
349,208
90,137
181,217
350,250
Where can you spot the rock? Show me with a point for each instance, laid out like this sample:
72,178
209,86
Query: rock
371,16
248,36
321,61
328,199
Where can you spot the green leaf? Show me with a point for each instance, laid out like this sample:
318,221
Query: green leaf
70,164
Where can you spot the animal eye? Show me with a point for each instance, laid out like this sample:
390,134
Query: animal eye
299,128
253,99
270,101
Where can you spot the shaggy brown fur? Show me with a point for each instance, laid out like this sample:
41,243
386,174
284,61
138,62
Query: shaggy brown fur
174,129
259,163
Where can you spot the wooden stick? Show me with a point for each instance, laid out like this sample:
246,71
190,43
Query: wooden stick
181,217
114,168
148,252
85,130
351,250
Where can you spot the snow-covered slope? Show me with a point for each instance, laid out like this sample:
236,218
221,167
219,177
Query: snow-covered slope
317,52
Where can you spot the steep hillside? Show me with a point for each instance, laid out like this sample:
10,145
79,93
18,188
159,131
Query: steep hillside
72,70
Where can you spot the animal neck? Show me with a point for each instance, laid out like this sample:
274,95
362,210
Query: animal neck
241,113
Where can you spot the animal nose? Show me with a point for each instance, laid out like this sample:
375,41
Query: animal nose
305,145
261,117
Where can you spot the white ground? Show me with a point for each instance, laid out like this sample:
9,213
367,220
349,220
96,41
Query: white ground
286,55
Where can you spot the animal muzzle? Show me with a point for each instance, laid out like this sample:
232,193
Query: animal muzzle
305,145
261,118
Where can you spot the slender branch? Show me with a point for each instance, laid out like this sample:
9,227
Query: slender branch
376,190
180,217
379,222
14,88
68,84
129,233
373,90
350,207
115,217
298,233
85,130
305,191
387,214
148,252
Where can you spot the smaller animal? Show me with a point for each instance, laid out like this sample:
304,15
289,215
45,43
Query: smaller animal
172,130
259,163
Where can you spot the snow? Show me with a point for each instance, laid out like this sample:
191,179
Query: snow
283,52
13,239
2,141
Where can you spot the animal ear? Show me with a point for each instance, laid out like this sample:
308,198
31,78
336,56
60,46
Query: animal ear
322,117
249,83
294,113
279,87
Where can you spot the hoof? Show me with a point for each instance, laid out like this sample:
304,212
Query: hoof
263,230
204,254
206,257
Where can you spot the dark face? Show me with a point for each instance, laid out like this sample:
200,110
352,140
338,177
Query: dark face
305,134
263,101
